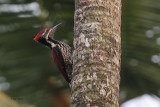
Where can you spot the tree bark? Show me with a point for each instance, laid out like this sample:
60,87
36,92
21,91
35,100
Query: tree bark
96,55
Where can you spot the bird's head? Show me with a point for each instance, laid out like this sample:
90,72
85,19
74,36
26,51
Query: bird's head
45,36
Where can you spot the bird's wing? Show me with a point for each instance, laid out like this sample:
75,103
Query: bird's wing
59,61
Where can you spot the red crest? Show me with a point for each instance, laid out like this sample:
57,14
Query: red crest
39,35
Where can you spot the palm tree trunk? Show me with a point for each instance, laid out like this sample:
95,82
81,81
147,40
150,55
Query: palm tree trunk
97,52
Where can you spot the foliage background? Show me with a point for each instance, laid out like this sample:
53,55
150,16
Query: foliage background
27,70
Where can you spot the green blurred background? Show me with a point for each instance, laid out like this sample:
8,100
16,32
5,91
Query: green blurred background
26,67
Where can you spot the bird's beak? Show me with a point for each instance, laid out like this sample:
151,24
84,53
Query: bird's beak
53,29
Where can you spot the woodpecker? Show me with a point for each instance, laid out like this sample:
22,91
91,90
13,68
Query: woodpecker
61,52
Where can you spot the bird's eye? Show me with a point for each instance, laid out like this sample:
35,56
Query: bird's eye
43,33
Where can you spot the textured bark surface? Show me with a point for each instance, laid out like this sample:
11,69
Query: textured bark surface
96,58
